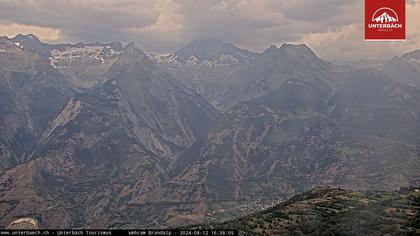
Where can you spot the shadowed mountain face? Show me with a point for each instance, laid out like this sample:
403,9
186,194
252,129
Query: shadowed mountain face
226,85
100,135
273,68
212,50
306,134
84,65
205,66
30,97
405,69
98,149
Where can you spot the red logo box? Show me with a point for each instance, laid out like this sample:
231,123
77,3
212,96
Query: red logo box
384,20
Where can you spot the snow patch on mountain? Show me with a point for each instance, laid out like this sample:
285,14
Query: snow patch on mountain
17,44
88,53
172,59
415,60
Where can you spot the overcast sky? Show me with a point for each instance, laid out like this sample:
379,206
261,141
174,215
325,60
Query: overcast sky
333,28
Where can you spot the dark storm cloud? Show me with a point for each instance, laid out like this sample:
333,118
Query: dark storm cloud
73,14
81,20
318,11
165,25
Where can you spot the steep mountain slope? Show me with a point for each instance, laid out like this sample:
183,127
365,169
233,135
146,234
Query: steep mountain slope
362,135
205,65
364,63
21,53
97,135
210,52
335,212
405,69
85,65
31,43
225,85
106,146
271,69
32,93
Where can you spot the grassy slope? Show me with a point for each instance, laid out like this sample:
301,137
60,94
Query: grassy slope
325,211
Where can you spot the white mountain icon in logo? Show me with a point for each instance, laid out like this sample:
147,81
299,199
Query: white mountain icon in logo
385,17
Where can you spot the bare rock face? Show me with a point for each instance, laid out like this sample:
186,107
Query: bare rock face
84,65
93,151
405,69
205,66
24,223
32,93
253,75
305,134
70,111
270,70
124,144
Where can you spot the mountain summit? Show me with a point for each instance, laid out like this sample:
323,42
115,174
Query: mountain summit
405,69
122,135
297,50
212,49
99,135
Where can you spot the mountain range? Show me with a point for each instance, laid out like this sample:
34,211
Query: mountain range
104,135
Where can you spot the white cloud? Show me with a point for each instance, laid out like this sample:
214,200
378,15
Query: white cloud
333,28
346,42
44,33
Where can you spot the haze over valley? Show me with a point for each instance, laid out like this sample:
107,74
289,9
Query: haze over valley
105,135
